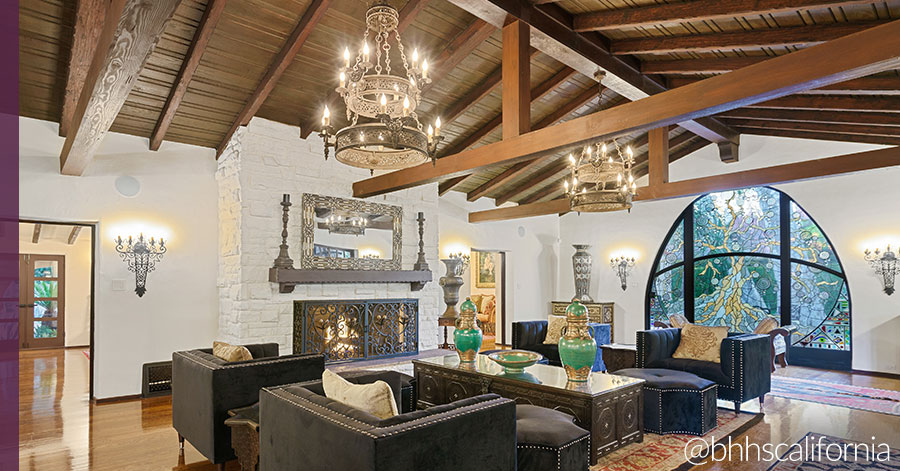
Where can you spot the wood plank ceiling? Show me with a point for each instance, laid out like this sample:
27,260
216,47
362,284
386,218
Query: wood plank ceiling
675,43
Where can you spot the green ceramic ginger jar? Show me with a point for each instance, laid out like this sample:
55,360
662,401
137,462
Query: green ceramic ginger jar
577,348
467,335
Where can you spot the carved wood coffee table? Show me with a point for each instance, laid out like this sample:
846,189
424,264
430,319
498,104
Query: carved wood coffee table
609,406
244,423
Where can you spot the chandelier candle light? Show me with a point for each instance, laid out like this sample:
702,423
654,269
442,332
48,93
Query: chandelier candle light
886,264
384,131
141,256
601,179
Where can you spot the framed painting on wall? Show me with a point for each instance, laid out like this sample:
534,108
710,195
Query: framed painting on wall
485,274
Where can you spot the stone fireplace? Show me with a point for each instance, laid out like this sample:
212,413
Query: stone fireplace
264,160
359,329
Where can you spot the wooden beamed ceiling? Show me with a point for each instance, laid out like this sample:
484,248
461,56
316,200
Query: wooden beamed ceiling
218,63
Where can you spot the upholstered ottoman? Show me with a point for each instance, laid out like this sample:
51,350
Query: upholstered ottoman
548,439
676,401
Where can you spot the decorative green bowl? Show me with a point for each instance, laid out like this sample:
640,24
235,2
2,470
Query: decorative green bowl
515,361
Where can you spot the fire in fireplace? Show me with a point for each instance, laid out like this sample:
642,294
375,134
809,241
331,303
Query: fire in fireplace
360,329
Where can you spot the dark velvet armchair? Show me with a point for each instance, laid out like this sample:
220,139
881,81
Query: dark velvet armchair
301,429
530,335
205,387
742,374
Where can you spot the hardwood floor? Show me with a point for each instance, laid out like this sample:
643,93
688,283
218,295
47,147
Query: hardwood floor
60,429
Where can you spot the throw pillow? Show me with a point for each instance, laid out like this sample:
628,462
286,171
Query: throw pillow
766,325
229,352
677,320
700,342
375,398
555,326
486,301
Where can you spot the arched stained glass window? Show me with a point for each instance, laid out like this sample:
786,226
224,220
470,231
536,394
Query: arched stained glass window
734,258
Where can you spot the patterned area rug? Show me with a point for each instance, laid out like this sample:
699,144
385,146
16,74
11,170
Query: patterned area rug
667,452
853,397
817,452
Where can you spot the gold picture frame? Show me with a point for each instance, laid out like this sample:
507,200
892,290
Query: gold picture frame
485,269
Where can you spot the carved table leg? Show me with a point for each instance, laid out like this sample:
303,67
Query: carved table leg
245,441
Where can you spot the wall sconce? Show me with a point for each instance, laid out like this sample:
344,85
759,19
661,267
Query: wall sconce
141,256
622,265
463,262
885,264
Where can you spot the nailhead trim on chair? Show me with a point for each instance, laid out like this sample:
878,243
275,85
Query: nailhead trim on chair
204,362
424,421
559,449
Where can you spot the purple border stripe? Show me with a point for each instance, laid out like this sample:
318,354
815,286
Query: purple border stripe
9,235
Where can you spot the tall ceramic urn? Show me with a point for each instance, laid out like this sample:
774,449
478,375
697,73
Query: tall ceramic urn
582,264
467,335
577,348
451,282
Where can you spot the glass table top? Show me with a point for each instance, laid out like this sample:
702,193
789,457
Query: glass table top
545,375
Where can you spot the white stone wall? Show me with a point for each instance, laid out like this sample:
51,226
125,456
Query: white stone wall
263,161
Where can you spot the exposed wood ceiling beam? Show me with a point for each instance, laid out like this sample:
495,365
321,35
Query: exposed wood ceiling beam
658,155
36,235
543,193
889,104
191,61
764,176
516,93
544,174
865,85
89,16
553,34
518,169
314,12
131,28
73,236
847,117
866,129
717,65
857,55
794,36
642,160
824,136
697,10
448,184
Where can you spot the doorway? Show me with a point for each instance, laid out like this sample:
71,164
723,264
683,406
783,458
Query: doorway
487,289
56,291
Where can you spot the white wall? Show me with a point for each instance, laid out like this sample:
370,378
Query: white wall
178,200
532,254
77,278
263,161
853,210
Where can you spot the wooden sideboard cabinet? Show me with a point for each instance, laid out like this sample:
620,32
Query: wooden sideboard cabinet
603,313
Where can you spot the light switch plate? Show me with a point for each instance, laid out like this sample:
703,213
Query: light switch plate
118,285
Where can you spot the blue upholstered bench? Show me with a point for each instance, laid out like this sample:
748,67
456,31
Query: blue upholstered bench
676,401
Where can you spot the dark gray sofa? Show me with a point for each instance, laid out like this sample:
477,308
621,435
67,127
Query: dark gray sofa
530,335
205,387
301,429
743,373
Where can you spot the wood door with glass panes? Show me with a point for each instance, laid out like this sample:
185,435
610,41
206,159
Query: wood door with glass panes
42,295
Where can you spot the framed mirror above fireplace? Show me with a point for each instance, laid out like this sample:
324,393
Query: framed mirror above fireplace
348,234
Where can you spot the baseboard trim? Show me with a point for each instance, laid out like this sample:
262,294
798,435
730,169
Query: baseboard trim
879,374
114,399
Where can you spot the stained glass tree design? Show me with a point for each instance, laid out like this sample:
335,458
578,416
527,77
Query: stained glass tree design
749,254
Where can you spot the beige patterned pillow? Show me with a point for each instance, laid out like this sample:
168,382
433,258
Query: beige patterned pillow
375,398
677,320
229,352
700,342
555,325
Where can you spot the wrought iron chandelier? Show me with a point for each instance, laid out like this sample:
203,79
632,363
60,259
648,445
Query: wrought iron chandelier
141,256
886,264
348,225
601,179
384,131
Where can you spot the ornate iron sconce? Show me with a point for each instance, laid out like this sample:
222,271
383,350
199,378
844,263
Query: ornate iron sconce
886,264
141,256
622,266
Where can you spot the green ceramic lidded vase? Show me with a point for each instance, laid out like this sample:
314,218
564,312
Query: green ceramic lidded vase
467,335
577,348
